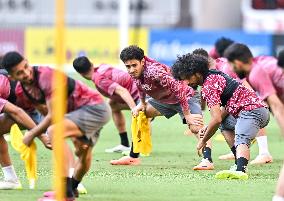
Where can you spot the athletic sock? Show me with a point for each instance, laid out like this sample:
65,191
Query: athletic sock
207,154
69,190
132,154
262,145
124,139
242,164
234,151
71,172
9,173
75,183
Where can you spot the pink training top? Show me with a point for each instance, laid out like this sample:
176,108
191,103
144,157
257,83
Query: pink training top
82,95
223,65
107,78
213,53
21,101
243,99
266,77
158,82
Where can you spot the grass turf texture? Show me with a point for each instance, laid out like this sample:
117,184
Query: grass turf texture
166,175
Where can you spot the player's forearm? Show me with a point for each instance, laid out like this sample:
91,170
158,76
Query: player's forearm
211,129
41,127
21,117
224,113
125,95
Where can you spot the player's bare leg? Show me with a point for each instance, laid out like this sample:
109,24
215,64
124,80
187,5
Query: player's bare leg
119,122
11,180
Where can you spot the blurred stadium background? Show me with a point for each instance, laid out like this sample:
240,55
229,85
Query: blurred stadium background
163,28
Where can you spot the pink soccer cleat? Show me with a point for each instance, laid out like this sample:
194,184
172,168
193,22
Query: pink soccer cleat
54,199
262,159
126,160
205,164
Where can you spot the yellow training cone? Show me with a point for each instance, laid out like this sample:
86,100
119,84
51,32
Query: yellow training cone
28,154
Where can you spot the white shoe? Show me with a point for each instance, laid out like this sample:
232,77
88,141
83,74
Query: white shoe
9,185
118,149
81,189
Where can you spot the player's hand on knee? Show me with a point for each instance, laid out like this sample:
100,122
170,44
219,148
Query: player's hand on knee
194,119
80,147
45,141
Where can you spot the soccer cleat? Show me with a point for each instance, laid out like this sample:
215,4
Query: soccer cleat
262,159
126,160
50,196
229,156
230,174
81,189
205,164
54,199
10,185
118,149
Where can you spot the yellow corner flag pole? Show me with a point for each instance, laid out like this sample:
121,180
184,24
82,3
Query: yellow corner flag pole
59,102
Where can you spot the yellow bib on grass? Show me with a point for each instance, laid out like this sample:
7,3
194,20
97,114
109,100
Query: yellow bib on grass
141,135
28,154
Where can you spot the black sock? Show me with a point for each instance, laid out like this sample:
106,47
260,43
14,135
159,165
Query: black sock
132,154
207,154
124,139
234,151
75,183
69,191
242,164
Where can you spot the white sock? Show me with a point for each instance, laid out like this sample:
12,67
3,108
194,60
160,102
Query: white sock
262,145
71,172
277,198
9,173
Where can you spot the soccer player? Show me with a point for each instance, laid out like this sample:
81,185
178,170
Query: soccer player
168,97
116,85
219,47
11,103
219,89
263,74
87,112
279,195
223,65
